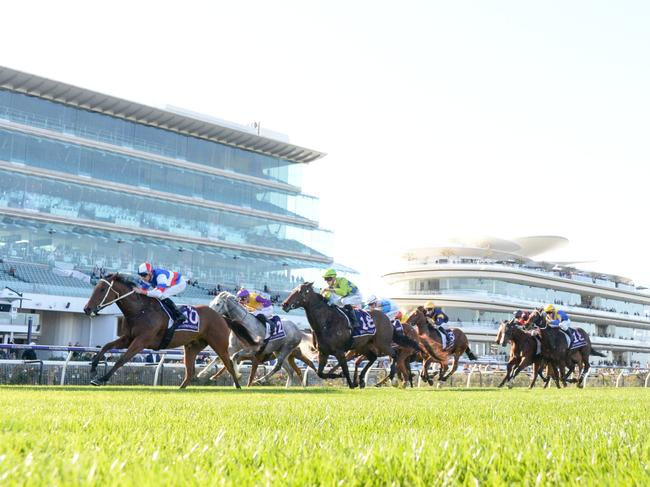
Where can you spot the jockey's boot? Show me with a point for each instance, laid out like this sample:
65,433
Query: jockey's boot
354,323
177,316
268,326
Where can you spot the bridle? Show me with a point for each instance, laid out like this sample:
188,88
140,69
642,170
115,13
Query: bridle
110,289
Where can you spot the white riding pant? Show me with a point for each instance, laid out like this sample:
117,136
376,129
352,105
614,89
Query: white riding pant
173,290
564,325
351,299
266,311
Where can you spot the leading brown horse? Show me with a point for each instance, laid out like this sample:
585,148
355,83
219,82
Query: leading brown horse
145,325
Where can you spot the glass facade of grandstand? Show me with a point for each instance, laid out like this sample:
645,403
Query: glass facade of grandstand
479,293
88,190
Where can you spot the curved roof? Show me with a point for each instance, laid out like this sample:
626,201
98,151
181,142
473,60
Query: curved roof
30,84
531,246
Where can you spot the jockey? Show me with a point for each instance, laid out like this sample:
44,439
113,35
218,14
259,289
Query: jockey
397,322
161,284
386,306
342,293
258,305
436,313
557,318
255,303
521,317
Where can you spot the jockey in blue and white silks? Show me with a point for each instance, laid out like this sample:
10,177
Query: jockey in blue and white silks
557,318
436,313
161,284
386,306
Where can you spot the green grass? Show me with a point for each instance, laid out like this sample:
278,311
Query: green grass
331,436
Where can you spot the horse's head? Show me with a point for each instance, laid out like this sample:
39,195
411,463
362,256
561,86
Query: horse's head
537,319
107,291
417,317
219,303
299,297
501,333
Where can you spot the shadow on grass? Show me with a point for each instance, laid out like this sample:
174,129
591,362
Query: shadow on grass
175,390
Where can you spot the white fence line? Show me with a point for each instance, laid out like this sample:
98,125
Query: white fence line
163,354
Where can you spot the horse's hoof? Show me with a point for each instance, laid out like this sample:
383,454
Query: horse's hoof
510,385
96,382
362,385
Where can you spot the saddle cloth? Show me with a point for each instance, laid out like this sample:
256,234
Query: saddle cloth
366,324
192,319
574,339
448,339
397,325
275,329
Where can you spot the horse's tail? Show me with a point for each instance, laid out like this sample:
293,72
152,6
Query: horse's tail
470,354
596,353
404,341
241,332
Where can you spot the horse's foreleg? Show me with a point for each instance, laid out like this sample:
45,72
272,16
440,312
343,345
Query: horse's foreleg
525,362
357,363
322,361
509,367
344,367
121,342
371,360
281,357
454,366
137,345
251,377
303,358
207,368
189,357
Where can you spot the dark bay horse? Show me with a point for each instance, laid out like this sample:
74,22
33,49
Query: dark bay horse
432,338
556,349
523,352
145,326
333,337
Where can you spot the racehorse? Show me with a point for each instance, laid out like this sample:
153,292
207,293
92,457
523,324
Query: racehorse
145,326
238,316
302,352
523,352
429,335
556,349
333,335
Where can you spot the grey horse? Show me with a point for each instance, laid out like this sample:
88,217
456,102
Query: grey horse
304,352
254,330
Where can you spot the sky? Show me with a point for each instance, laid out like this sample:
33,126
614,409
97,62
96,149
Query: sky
440,119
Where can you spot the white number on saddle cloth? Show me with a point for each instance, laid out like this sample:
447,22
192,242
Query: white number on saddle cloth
366,320
191,315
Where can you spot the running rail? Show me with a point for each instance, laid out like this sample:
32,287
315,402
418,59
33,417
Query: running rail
475,365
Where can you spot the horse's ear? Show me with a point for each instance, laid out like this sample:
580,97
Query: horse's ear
310,284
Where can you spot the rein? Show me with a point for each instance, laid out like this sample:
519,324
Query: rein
104,304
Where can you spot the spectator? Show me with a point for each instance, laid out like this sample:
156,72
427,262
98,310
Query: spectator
29,353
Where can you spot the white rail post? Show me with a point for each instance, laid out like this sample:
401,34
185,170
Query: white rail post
471,371
584,380
618,378
65,366
304,377
158,369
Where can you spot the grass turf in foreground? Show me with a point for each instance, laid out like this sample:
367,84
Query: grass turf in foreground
144,436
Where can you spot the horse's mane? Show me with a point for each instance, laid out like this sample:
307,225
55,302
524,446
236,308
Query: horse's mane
123,278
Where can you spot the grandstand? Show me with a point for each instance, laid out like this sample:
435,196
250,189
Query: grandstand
93,184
